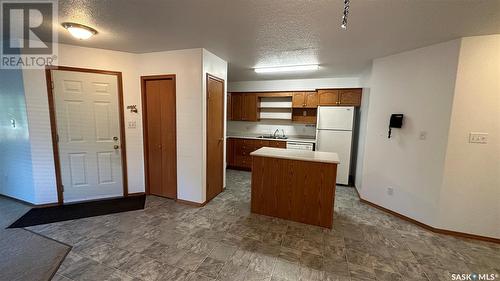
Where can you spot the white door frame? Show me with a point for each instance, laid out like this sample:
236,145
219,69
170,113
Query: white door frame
53,124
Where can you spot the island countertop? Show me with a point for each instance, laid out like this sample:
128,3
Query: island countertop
295,154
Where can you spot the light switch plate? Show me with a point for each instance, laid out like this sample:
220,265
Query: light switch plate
478,137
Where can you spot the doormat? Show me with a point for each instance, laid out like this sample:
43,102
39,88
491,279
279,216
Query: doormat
73,211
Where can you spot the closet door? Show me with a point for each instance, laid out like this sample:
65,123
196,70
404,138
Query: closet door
160,132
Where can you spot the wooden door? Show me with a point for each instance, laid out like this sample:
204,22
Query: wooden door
311,99
350,97
215,136
328,97
160,135
88,128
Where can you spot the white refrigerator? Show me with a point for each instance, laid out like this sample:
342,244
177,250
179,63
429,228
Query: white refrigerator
334,134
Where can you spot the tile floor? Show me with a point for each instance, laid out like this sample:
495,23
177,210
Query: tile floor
223,241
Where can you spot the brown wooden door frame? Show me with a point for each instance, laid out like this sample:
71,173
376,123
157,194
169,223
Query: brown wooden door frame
145,125
210,76
53,123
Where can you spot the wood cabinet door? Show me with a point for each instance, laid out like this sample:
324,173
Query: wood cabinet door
260,144
238,152
278,144
236,107
350,97
229,107
328,97
298,99
311,99
230,152
249,107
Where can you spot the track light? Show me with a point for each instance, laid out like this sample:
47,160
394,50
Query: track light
345,15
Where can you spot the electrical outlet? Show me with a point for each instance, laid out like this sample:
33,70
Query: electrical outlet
423,135
132,124
478,137
390,191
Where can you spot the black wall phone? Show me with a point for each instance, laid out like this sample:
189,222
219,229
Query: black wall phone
395,122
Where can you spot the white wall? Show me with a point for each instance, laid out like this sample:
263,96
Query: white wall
294,84
470,194
39,122
217,67
185,64
419,84
362,123
16,174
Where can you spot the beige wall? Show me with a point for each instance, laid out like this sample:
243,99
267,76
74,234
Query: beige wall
446,90
419,84
470,193
186,64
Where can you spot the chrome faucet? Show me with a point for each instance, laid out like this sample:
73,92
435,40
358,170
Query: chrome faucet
283,131
275,132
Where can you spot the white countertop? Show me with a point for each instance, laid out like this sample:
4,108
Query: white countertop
256,137
295,154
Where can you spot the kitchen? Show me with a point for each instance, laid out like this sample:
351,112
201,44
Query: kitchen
305,123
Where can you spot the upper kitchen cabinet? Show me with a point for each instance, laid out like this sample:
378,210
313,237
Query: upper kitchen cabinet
244,107
350,97
340,97
305,100
328,97
229,107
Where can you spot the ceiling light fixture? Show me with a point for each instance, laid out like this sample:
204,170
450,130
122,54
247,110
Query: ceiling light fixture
79,31
345,15
292,68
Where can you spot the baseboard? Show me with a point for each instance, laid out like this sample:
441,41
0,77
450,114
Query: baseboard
191,203
136,194
428,227
239,168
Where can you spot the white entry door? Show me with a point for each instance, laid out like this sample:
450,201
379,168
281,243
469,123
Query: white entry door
88,128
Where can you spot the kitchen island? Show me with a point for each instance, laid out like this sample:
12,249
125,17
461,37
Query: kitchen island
296,185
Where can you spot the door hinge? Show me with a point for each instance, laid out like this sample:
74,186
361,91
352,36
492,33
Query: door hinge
62,188
57,138
52,85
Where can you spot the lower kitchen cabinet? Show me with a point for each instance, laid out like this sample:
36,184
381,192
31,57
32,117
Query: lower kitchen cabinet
238,151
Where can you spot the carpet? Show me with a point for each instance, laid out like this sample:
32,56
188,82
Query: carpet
28,256
46,215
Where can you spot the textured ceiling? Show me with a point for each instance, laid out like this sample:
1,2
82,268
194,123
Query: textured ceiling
250,33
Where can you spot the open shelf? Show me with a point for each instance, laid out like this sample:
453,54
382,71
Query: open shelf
275,108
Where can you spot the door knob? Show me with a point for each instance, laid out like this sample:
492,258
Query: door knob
116,146
115,138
